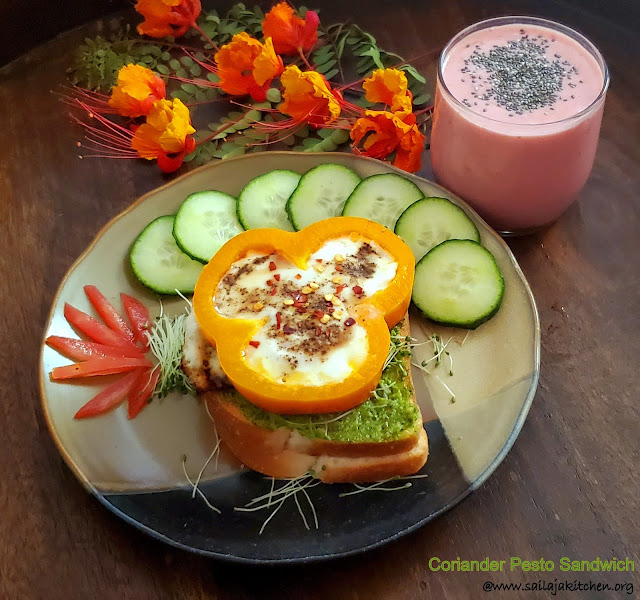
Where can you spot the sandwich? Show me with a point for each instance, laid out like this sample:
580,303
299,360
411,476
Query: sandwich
298,343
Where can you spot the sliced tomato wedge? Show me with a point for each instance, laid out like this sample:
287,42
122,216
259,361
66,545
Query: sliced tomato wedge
110,397
139,317
99,332
141,391
81,350
108,312
99,366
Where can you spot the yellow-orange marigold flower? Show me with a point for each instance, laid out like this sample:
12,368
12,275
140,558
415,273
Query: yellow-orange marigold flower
247,66
389,86
167,17
383,132
291,34
136,91
166,135
308,97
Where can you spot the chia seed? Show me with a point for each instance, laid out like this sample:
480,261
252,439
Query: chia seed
521,77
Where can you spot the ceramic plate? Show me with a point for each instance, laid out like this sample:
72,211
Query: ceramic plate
135,468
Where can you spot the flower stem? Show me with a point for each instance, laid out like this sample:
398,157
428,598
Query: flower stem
304,59
214,46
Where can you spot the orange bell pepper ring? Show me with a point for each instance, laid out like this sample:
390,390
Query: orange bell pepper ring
375,313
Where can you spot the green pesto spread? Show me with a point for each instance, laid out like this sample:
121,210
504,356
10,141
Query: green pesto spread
388,414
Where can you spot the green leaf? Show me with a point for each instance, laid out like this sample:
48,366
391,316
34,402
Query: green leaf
237,152
302,132
180,95
325,133
413,72
163,69
422,99
195,70
165,56
200,96
326,66
340,45
255,134
189,88
374,53
365,65
339,136
174,64
328,145
274,95
310,142
182,73
213,78
331,74
186,61
228,146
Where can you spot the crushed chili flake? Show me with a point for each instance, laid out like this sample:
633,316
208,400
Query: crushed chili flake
301,310
278,320
277,277
318,314
357,290
349,322
340,288
272,266
339,268
298,276
274,291
254,343
270,282
318,330
300,299
288,329
318,260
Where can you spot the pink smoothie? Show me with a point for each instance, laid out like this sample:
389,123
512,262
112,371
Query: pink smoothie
517,120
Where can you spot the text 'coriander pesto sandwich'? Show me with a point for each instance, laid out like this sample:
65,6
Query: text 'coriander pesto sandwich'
289,343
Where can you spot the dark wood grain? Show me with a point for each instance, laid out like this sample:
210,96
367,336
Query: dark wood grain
569,487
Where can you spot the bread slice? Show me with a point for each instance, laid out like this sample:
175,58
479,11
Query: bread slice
285,451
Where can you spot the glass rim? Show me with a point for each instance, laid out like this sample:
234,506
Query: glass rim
526,20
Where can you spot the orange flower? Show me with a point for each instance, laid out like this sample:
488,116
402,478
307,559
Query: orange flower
291,35
136,91
167,17
166,135
385,132
389,86
308,97
246,66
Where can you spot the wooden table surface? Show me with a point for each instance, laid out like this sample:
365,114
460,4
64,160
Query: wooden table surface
569,487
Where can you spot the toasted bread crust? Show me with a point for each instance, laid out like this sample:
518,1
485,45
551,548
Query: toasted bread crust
285,453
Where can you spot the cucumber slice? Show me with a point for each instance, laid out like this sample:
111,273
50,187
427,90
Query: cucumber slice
321,194
262,201
458,283
382,198
158,262
431,221
204,222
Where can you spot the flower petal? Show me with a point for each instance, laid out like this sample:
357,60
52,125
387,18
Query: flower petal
307,96
290,33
